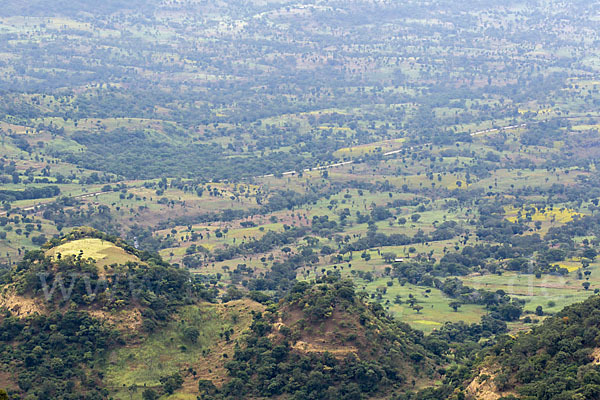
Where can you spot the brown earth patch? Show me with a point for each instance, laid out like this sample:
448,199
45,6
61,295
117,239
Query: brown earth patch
329,335
19,305
595,356
321,346
127,321
7,381
483,387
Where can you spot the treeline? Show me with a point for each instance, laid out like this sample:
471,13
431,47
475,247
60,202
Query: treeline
266,243
138,155
98,217
277,201
30,193
444,231
583,226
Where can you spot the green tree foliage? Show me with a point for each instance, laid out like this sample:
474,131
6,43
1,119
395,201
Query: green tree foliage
29,193
554,360
50,353
265,364
54,355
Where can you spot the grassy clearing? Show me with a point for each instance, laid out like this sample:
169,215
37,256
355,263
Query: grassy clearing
435,312
105,253
571,265
166,351
552,292
366,148
169,351
586,127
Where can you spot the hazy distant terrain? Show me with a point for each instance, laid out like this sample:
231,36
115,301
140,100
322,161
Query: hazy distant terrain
440,156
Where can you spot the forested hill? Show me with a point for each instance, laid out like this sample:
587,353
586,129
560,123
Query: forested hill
66,315
63,310
323,342
560,359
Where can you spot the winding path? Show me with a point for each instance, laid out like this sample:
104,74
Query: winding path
42,205
392,152
39,206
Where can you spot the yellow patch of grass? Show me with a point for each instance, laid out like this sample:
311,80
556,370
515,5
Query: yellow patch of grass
103,252
425,322
585,127
560,215
356,151
539,112
207,246
570,265
454,185
569,268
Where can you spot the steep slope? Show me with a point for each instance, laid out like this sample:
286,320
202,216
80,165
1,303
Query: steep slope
323,342
194,345
60,315
559,359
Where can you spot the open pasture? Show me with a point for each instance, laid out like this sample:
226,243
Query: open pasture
103,252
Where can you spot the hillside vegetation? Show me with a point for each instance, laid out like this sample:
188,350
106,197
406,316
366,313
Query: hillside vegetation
560,359
322,341
53,349
299,199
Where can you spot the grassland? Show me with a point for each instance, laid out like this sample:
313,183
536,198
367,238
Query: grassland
139,198
170,351
103,252
552,292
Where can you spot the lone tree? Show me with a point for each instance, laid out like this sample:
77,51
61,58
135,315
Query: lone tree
539,311
149,394
389,257
455,305
131,389
586,285
590,254
417,308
